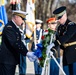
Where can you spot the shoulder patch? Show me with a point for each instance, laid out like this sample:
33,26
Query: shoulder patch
9,26
71,23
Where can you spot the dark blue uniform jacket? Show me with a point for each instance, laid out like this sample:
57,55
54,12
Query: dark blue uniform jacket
11,46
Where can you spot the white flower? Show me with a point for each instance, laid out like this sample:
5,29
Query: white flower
45,33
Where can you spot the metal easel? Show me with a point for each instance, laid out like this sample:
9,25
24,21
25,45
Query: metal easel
46,68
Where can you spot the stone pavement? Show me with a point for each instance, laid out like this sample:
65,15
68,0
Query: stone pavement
29,69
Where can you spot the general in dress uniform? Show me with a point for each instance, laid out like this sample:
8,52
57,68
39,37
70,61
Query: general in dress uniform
12,46
66,38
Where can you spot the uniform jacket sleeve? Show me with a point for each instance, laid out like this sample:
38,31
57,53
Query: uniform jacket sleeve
70,32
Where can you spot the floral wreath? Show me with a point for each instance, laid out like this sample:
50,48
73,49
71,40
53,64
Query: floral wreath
40,52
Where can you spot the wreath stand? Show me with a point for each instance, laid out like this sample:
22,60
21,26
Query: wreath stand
46,68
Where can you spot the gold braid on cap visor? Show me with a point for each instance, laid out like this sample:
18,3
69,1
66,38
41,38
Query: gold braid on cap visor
60,14
21,15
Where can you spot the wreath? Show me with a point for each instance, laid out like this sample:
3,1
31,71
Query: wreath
40,52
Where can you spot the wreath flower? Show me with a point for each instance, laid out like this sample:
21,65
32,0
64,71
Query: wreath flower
42,47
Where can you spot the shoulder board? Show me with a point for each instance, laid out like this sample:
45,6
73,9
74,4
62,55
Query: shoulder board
71,23
9,26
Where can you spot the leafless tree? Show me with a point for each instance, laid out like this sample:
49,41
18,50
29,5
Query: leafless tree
44,8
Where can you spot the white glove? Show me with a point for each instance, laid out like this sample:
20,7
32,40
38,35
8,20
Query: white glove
49,47
31,56
31,59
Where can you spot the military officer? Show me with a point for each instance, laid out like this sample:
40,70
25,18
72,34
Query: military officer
12,46
66,38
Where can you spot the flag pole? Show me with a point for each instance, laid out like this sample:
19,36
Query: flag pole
35,36
34,27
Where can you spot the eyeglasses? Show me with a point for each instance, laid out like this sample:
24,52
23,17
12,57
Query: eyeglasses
53,23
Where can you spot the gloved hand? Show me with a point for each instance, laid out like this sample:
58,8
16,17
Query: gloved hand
31,59
31,56
54,50
49,47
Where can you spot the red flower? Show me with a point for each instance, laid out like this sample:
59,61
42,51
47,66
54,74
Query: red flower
40,58
42,37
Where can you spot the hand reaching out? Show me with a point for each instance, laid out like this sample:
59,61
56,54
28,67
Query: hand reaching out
49,47
31,56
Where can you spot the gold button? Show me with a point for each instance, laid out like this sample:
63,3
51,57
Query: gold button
16,33
17,39
16,43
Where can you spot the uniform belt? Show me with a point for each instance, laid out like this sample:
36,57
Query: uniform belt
69,44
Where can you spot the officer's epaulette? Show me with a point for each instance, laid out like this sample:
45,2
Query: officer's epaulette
9,26
71,23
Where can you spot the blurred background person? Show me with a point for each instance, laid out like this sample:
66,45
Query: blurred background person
22,65
39,31
26,40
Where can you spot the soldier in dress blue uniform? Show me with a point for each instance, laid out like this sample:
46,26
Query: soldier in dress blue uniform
22,65
39,31
52,24
12,45
66,38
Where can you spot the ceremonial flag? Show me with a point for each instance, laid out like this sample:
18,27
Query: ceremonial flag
3,16
30,18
